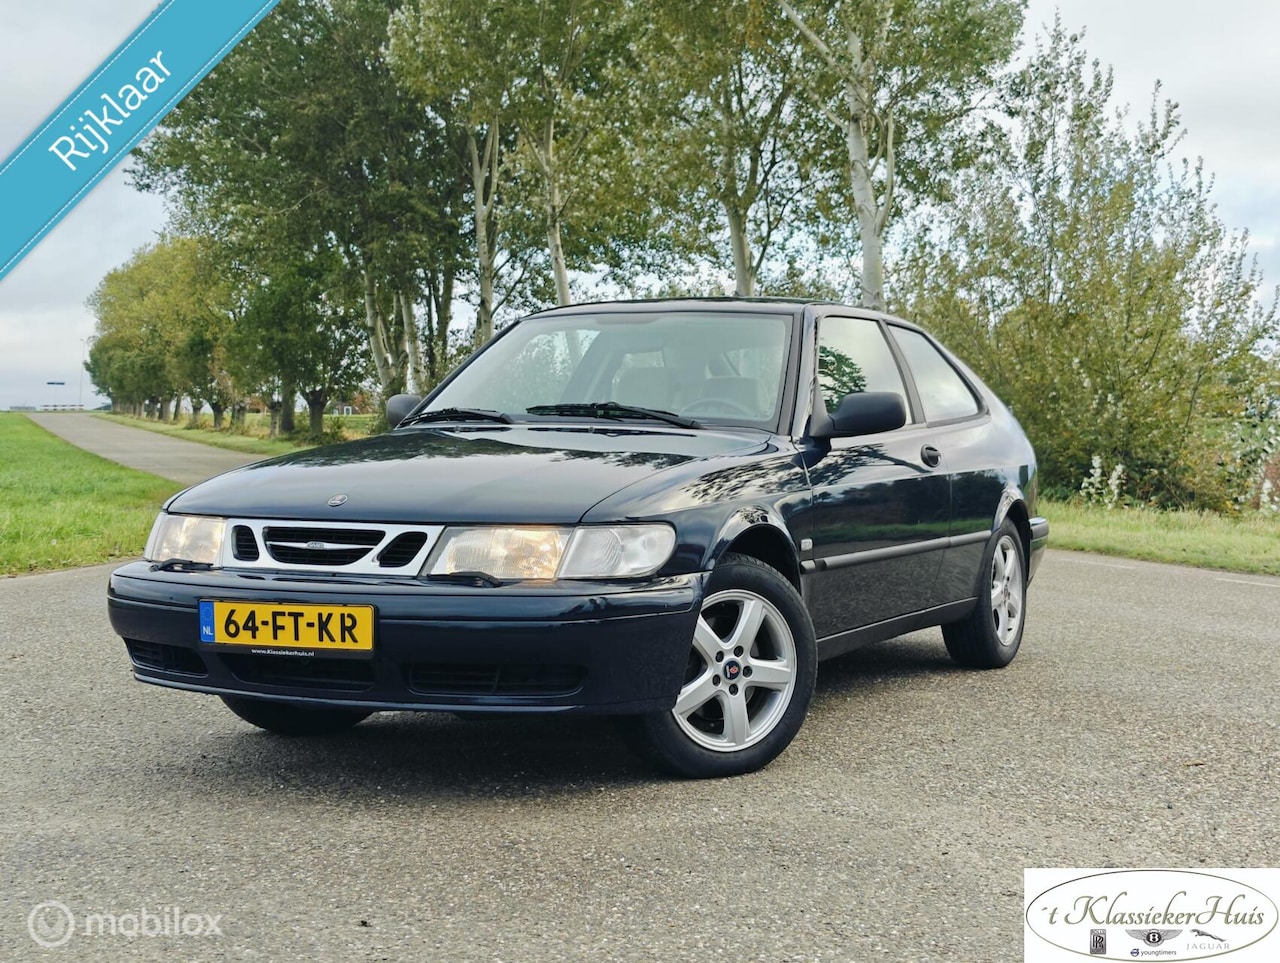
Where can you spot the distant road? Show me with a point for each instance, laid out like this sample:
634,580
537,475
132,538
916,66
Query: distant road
185,462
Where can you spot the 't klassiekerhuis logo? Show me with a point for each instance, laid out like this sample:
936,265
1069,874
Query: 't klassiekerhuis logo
1150,914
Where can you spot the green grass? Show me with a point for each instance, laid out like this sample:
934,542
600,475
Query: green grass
61,507
1248,543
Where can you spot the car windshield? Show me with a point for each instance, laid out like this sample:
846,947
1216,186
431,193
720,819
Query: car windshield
710,367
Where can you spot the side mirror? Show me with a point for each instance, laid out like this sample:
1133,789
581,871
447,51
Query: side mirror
861,413
399,407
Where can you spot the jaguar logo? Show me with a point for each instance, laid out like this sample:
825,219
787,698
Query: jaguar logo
337,500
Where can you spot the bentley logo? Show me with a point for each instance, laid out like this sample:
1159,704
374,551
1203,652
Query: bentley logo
1153,937
337,500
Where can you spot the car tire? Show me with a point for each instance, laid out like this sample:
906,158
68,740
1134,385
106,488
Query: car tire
286,719
752,666
989,637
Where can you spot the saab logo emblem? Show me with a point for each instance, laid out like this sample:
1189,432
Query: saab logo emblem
732,670
314,546
337,500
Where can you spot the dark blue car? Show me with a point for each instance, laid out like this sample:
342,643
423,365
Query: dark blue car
665,511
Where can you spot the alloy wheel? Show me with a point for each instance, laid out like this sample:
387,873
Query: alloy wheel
741,673
1007,588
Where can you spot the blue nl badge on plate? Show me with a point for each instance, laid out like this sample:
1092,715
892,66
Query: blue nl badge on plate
206,621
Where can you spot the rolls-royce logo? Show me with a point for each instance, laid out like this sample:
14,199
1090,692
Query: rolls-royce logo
337,500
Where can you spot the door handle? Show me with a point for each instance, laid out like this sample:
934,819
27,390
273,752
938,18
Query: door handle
931,456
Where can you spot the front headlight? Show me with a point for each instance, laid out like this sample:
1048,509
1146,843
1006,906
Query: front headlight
193,538
617,551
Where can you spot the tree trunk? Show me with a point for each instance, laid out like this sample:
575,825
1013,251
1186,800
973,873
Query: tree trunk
744,275
555,245
288,398
864,195
439,315
555,248
217,410
444,318
413,342
872,215
273,407
484,183
317,401
389,379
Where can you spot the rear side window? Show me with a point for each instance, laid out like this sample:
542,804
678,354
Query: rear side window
854,356
943,393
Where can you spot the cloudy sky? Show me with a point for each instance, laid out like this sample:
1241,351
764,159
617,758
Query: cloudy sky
1217,62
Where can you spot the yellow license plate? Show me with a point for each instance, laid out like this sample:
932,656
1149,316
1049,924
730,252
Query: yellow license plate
286,625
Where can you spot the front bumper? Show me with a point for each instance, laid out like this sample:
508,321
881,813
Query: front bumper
605,648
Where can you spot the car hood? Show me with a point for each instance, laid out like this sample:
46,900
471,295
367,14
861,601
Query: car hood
548,474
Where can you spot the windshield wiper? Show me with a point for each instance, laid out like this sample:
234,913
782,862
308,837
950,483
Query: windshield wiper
611,409
458,414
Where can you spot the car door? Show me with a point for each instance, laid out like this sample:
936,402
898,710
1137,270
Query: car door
881,505
960,429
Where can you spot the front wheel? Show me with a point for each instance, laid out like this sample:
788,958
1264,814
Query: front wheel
749,679
285,719
988,638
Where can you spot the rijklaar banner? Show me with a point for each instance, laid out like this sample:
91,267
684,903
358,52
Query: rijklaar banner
111,111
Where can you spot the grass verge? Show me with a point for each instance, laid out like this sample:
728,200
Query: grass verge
1249,543
61,507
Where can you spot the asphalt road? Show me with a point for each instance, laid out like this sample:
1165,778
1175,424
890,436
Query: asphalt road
185,462
1138,727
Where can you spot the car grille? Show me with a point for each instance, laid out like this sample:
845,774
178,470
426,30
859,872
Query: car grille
342,547
507,680
338,675
168,658
402,550
245,547
320,546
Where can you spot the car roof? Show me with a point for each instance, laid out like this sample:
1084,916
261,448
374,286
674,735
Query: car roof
820,307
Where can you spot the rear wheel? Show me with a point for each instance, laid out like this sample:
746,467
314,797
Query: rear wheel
749,679
286,719
988,638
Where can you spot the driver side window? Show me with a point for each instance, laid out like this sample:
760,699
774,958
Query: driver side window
853,356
